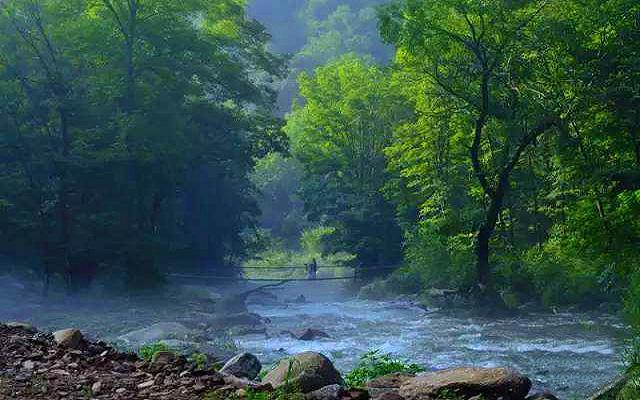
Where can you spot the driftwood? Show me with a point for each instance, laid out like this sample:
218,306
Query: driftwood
237,302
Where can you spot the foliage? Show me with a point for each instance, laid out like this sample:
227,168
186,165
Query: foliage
339,136
147,351
200,360
282,215
631,388
311,246
316,32
374,364
128,132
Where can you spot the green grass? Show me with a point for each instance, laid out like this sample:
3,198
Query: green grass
374,364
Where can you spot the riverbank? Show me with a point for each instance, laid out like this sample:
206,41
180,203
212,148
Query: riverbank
569,353
65,365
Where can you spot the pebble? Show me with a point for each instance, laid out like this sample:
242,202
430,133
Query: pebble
96,387
146,384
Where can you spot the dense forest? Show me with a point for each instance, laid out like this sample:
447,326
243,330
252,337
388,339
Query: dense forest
488,147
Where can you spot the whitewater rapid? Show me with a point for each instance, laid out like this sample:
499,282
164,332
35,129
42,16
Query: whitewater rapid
571,354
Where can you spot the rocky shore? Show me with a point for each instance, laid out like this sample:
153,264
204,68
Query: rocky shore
64,365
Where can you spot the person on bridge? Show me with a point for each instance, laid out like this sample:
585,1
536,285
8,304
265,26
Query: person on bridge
312,269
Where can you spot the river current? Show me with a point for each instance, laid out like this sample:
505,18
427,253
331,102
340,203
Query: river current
571,354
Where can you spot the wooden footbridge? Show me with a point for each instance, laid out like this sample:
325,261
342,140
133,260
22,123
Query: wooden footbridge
246,273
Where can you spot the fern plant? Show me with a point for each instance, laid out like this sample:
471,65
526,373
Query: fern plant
374,364
147,351
631,388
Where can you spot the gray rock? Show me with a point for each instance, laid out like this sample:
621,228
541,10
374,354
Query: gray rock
309,334
21,325
545,396
156,333
71,338
468,382
331,392
163,358
306,372
243,365
96,388
385,386
388,396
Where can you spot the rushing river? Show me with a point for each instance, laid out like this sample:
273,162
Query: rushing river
571,354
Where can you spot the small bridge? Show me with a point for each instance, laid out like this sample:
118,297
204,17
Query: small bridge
241,276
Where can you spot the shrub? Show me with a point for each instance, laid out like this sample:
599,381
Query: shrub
374,364
147,351
199,360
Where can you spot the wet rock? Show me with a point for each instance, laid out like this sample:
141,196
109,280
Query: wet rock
380,387
242,383
263,298
309,334
297,300
156,333
71,338
388,396
469,382
356,394
331,392
236,319
394,380
244,365
96,388
306,371
249,330
163,358
146,384
543,396
21,325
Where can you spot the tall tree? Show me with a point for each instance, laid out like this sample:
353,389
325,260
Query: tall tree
483,64
146,117
339,136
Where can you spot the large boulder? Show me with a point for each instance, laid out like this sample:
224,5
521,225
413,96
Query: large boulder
71,338
382,386
156,333
21,325
306,372
243,365
222,322
331,392
162,357
467,382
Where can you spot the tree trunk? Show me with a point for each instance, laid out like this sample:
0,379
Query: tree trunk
496,196
485,233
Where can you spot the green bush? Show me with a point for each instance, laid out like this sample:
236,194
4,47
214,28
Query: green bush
440,261
147,351
199,360
374,364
